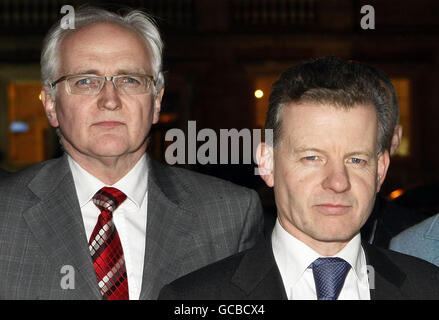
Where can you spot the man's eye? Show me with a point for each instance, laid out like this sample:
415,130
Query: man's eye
130,81
86,82
311,161
358,161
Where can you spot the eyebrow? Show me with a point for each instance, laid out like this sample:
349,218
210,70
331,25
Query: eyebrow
118,72
85,71
305,149
359,152
366,153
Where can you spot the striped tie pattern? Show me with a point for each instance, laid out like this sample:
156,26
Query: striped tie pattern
106,248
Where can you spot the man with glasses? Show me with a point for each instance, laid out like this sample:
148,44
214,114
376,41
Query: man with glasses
105,221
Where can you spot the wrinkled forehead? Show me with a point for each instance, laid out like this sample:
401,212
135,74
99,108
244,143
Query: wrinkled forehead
104,47
315,125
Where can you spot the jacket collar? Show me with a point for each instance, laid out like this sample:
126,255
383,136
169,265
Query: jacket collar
170,234
433,230
56,222
385,277
259,277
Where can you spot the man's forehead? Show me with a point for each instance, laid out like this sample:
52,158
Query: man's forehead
101,30
98,47
317,112
103,38
315,126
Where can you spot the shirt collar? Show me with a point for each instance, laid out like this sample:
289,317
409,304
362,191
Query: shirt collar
351,253
134,184
293,256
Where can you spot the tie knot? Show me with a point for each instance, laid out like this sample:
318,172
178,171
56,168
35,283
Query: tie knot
329,276
333,261
108,199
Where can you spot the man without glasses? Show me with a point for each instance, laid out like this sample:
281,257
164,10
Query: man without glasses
332,129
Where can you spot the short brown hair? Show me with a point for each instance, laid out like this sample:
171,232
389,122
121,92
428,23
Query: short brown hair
336,82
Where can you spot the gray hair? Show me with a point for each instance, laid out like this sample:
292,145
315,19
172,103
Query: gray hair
136,21
338,83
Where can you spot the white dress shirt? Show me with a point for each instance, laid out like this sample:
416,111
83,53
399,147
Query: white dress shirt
129,218
293,258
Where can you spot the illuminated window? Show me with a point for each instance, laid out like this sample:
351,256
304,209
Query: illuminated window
262,85
403,91
27,124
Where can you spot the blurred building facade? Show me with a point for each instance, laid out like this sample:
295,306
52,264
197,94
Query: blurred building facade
218,52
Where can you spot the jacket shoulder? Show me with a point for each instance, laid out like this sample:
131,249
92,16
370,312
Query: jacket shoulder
250,274
417,278
420,241
16,182
199,177
19,189
411,264
213,281
201,186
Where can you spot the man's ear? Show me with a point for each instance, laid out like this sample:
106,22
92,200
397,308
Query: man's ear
49,107
396,139
383,166
265,161
158,105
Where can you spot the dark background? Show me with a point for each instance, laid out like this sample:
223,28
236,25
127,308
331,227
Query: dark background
217,52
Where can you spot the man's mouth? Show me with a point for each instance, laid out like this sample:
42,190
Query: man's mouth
108,124
332,208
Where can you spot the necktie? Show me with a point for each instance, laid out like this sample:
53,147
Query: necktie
106,249
329,277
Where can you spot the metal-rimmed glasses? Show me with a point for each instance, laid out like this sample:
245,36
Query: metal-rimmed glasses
91,84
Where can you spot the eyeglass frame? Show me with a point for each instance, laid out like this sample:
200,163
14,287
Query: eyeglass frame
106,78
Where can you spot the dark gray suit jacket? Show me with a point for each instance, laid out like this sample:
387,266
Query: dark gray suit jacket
193,220
254,275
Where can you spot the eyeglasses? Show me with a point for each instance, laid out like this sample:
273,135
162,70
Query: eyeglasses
90,84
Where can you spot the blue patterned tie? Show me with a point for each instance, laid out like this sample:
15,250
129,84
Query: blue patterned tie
329,277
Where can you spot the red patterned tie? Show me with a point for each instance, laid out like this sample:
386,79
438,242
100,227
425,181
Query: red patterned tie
106,249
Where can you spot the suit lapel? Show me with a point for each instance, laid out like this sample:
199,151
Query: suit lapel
385,278
169,232
432,233
258,275
55,221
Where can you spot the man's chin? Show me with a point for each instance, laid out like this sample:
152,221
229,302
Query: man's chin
117,151
341,234
337,238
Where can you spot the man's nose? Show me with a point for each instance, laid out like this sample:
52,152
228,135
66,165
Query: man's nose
109,97
336,178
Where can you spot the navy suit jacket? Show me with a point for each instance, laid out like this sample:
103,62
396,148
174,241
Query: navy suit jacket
254,275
